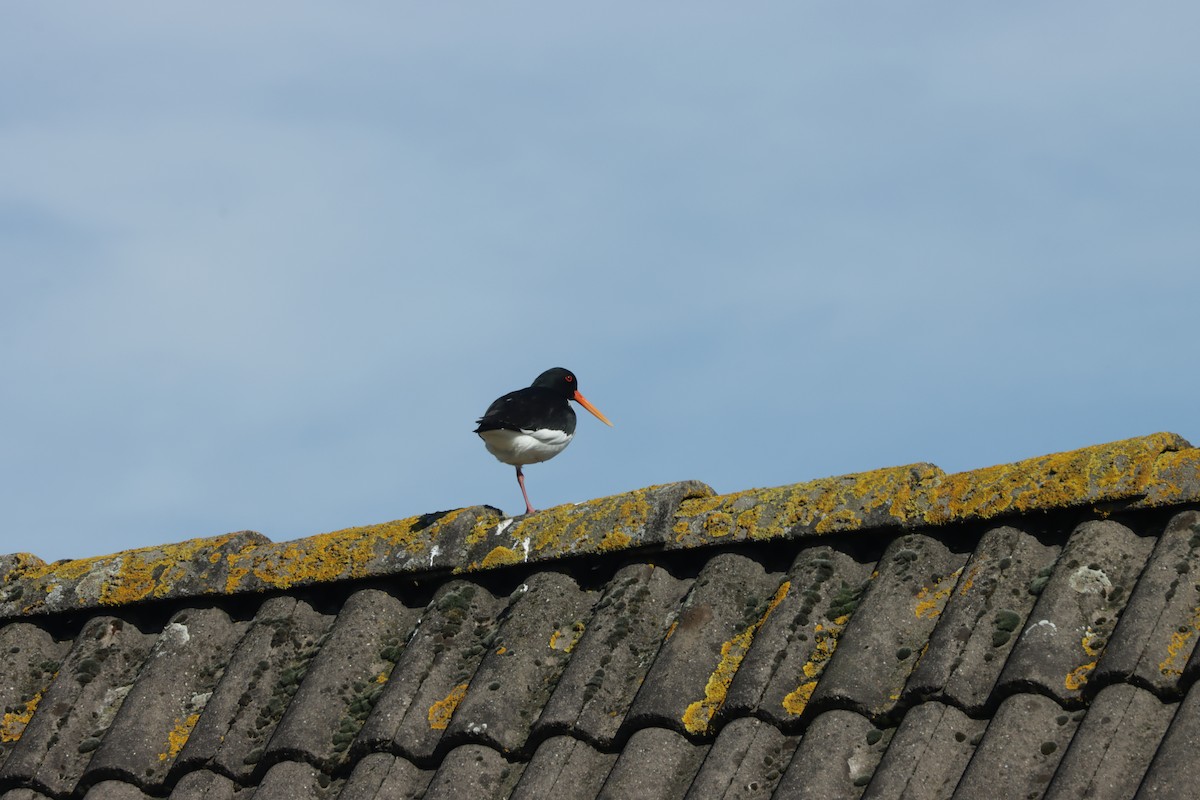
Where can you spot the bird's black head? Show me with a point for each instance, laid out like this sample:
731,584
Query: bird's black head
563,382
559,380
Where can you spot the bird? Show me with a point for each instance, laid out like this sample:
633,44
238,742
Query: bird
534,424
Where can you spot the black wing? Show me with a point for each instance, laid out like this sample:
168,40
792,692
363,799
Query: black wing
528,409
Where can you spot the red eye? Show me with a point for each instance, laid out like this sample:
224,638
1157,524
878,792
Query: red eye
570,378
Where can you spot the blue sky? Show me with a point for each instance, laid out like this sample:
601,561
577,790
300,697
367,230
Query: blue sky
264,265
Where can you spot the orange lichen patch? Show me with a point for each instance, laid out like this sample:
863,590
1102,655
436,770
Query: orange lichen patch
131,575
932,599
826,505
825,640
178,736
1162,466
1077,677
347,553
700,713
441,711
608,523
12,725
1174,479
20,565
1178,650
500,556
1116,471
671,630
1092,643
615,540
968,581
230,563
797,700
566,640
482,529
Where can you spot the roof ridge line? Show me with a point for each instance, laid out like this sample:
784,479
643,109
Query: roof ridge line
1161,469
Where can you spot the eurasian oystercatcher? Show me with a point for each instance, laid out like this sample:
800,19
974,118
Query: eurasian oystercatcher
534,424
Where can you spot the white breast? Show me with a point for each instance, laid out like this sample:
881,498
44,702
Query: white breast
525,447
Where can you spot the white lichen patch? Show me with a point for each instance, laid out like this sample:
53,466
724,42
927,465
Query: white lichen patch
1045,626
174,635
1086,580
92,583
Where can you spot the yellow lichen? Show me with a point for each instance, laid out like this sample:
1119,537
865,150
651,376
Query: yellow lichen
178,736
1177,652
1077,677
601,524
700,713
557,638
797,700
825,639
826,505
1107,472
501,556
932,599
1092,643
441,711
1175,478
12,725
968,581
615,540
824,643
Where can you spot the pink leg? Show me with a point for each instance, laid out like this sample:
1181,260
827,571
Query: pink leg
529,509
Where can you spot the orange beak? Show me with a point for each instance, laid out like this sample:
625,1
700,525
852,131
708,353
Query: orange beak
583,401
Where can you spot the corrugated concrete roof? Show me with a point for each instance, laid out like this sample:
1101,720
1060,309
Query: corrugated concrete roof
1025,630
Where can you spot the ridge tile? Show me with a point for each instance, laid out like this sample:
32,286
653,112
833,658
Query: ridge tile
634,519
880,498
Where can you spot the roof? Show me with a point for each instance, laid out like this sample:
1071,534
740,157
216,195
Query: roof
1024,630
